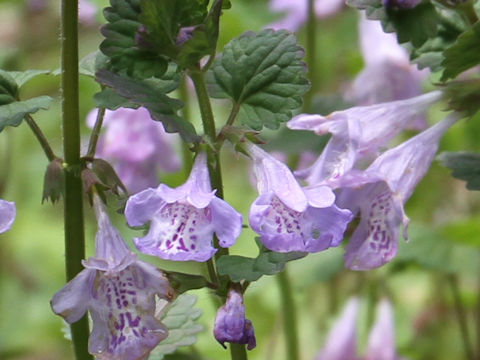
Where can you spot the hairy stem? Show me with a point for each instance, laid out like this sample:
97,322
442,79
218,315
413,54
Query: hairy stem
40,137
461,316
290,326
73,209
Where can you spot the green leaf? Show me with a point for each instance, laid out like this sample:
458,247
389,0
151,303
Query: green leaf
431,53
263,74
13,113
182,282
415,25
22,77
8,88
251,269
164,19
203,40
180,320
465,166
463,96
120,44
464,54
109,99
92,62
146,93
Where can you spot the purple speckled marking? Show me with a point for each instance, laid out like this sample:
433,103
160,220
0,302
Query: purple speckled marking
379,235
283,219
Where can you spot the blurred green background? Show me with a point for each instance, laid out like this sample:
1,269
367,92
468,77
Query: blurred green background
444,235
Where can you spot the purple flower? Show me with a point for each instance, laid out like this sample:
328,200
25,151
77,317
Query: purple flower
183,220
231,325
297,12
289,217
341,342
119,291
357,132
381,341
380,192
137,146
388,75
7,215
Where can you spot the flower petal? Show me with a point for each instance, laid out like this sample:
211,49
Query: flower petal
7,215
179,232
72,300
124,326
142,206
226,221
375,239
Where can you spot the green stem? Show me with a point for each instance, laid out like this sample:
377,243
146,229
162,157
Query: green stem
461,316
478,319
92,145
290,326
186,152
211,134
73,209
233,114
238,352
311,55
40,137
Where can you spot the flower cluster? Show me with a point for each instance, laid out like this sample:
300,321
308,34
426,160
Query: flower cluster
341,342
379,192
119,291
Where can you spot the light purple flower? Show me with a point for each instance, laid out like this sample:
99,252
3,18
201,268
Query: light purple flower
7,215
357,132
388,74
341,342
297,12
289,217
137,146
380,192
231,325
183,220
119,291
381,341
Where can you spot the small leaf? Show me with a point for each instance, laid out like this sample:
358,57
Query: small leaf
182,282
251,269
13,113
8,88
465,166
180,320
463,96
161,107
120,44
22,77
263,73
415,25
464,54
203,40
164,19
92,62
